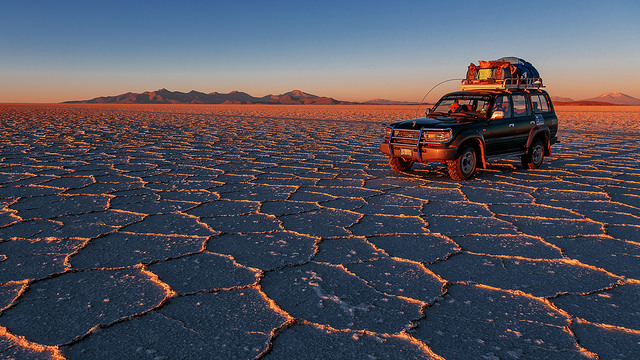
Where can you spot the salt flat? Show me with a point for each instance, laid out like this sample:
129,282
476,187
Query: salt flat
279,232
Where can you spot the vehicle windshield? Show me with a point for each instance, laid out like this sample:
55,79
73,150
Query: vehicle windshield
470,105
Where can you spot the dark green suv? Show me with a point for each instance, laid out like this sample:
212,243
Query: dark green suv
465,129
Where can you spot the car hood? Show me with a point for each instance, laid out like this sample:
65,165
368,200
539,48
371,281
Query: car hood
429,122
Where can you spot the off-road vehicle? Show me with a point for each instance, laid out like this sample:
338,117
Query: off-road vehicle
500,111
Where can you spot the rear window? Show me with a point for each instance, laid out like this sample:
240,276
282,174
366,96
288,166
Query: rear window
539,103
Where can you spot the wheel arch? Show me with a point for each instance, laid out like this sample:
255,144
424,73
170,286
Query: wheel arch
477,141
543,133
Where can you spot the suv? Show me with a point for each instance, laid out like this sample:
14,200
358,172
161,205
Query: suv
486,120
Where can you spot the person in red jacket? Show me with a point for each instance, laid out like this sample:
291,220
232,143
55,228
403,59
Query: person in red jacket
455,107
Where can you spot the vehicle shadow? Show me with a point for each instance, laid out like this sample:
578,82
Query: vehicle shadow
436,171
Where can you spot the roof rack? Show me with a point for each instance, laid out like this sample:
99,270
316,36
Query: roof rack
508,83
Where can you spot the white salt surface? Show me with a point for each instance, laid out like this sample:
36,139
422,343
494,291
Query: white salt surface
280,232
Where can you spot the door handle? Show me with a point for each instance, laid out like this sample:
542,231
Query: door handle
512,125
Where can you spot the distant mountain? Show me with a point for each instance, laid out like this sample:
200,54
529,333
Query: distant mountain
616,98
389,102
299,97
561,99
164,96
583,103
607,99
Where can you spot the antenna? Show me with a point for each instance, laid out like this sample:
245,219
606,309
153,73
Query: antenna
428,92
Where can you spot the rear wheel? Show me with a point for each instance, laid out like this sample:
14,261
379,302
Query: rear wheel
400,164
464,166
534,156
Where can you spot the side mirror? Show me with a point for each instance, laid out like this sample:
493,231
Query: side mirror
497,115
429,111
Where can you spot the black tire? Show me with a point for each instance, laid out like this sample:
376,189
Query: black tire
465,165
534,156
400,164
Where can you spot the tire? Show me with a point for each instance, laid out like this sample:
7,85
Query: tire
534,156
465,165
400,164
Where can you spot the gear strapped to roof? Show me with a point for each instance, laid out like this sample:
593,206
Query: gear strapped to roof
503,73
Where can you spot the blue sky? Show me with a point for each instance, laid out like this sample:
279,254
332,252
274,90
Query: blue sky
54,51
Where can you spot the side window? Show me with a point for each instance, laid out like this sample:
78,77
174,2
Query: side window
502,104
539,103
520,106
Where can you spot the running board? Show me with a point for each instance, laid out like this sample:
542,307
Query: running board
501,156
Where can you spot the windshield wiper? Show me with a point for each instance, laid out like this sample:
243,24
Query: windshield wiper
474,114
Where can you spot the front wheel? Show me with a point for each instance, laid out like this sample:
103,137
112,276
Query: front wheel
400,164
464,165
534,156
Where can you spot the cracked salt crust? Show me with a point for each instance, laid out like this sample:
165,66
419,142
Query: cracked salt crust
280,231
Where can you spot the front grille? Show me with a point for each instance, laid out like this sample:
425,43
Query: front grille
409,137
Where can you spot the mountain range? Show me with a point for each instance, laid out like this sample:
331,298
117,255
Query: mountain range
389,102
612,98
298,97
164,96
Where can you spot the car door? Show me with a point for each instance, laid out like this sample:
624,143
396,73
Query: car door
498,132
524,120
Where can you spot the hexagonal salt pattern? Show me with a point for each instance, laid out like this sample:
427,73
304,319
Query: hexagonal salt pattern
251,232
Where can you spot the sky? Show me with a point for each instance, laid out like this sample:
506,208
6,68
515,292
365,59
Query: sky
53,51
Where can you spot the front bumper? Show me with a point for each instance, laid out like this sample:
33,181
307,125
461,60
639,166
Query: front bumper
426,153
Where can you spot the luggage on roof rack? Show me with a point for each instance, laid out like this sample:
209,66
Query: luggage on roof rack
503,73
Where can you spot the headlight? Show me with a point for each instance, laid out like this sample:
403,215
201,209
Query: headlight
440,136
386,131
